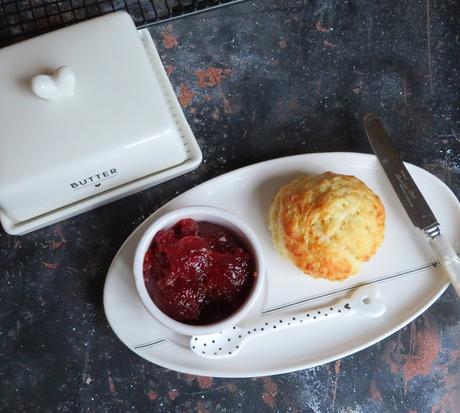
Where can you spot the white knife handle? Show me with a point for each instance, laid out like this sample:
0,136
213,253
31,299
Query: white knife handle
448,259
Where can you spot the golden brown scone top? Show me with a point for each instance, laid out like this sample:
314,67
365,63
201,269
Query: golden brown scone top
327,224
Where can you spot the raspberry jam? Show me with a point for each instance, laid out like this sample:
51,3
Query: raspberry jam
198,272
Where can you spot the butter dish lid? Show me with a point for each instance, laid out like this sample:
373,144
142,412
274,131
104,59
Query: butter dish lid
85,110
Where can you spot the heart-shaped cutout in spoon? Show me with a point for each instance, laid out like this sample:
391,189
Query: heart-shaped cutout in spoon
60,84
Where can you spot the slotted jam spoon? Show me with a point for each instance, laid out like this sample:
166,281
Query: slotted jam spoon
364,301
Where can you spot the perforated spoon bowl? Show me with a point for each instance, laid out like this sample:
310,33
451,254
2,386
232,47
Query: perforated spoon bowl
364,301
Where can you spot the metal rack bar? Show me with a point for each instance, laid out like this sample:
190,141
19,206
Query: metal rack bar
21,19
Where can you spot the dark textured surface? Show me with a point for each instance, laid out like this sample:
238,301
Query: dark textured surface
257,81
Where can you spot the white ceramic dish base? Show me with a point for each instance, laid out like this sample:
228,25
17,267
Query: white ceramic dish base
411,284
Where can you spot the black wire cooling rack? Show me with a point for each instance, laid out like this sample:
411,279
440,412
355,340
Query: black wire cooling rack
20,19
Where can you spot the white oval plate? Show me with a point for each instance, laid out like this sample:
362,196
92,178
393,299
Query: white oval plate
403,268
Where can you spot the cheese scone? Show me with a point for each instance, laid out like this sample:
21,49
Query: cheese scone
327,224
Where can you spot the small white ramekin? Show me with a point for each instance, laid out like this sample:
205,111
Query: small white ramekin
216,216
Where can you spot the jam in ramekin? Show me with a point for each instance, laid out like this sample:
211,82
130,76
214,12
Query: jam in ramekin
198,272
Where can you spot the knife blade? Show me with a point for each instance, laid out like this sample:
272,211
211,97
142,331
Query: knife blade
410,196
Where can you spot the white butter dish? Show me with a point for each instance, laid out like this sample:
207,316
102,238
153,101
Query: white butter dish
88,116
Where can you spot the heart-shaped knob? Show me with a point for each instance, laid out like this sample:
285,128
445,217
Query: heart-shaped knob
60,84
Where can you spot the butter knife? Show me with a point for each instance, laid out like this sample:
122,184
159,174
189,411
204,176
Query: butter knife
411,198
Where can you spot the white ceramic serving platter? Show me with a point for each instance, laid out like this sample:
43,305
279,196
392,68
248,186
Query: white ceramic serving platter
402,268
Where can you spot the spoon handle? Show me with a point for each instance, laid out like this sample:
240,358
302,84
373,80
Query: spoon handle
226,343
